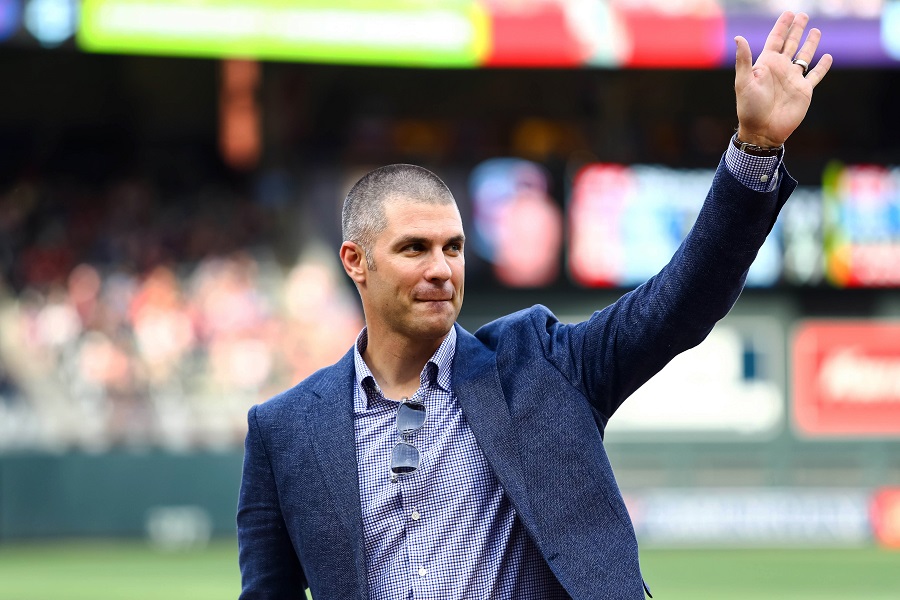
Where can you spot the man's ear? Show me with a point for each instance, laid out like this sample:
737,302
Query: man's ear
354,260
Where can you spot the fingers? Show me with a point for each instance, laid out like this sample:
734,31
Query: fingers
809,46
743,61
795,34
816,74
807,52
786,34
775,41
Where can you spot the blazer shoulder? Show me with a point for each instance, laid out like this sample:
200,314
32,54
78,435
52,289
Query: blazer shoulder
520,325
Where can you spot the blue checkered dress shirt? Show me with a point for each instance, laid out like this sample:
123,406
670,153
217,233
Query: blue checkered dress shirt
448,531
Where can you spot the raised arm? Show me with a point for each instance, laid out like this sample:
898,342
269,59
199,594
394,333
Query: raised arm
621,347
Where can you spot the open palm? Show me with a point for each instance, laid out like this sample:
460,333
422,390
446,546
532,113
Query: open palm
772,94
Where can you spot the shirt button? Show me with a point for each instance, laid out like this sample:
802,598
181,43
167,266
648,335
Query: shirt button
423,571
415,515
764,178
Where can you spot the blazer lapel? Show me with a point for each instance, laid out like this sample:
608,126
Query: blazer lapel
477,385
334,440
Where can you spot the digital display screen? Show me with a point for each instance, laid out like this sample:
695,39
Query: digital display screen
462,33
862,225
626,222
517,227
622,223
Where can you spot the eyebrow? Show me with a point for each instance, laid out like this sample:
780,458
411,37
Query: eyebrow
415,239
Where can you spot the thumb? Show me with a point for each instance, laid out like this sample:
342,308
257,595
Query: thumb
743,62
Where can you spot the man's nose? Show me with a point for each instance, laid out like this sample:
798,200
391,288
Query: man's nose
438,267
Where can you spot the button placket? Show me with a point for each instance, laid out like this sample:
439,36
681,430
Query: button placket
414,497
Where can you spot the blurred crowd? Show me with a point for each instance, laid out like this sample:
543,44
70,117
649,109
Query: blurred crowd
132,320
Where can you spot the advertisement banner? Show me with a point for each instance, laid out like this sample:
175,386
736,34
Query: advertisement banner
386,32
761,517
661,40
728,388
846,378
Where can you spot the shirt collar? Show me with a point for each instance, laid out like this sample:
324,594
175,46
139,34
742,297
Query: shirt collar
436,370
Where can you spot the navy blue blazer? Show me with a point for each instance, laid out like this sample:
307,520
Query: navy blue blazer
537,394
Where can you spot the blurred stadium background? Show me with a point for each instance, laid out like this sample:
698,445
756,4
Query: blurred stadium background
171,174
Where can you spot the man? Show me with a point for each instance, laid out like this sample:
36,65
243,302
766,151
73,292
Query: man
433,463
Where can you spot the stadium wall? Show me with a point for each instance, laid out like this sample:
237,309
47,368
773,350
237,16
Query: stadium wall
174,499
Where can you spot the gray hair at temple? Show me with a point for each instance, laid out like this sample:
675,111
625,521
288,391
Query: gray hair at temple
363,218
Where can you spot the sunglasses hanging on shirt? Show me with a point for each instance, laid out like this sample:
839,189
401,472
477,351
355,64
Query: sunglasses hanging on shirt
405,458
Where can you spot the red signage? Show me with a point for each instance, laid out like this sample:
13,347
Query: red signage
846,378
536,34
886,517
675,41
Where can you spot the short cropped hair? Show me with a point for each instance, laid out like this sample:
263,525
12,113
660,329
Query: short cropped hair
363,216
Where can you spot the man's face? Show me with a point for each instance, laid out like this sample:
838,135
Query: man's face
416,288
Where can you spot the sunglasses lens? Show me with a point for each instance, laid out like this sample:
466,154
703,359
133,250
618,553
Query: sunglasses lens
410,417
405,458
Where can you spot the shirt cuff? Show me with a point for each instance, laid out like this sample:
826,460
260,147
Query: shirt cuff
759,173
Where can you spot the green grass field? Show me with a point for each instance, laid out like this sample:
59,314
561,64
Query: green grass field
134,571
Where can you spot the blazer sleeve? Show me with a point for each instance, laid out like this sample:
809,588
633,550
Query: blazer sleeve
620,347
269,565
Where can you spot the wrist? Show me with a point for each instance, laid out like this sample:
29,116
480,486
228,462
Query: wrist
756,145
753,150
761,141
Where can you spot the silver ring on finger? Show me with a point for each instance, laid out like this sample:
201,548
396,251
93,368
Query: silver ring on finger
803,64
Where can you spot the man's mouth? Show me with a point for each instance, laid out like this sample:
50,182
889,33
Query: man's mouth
435,297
